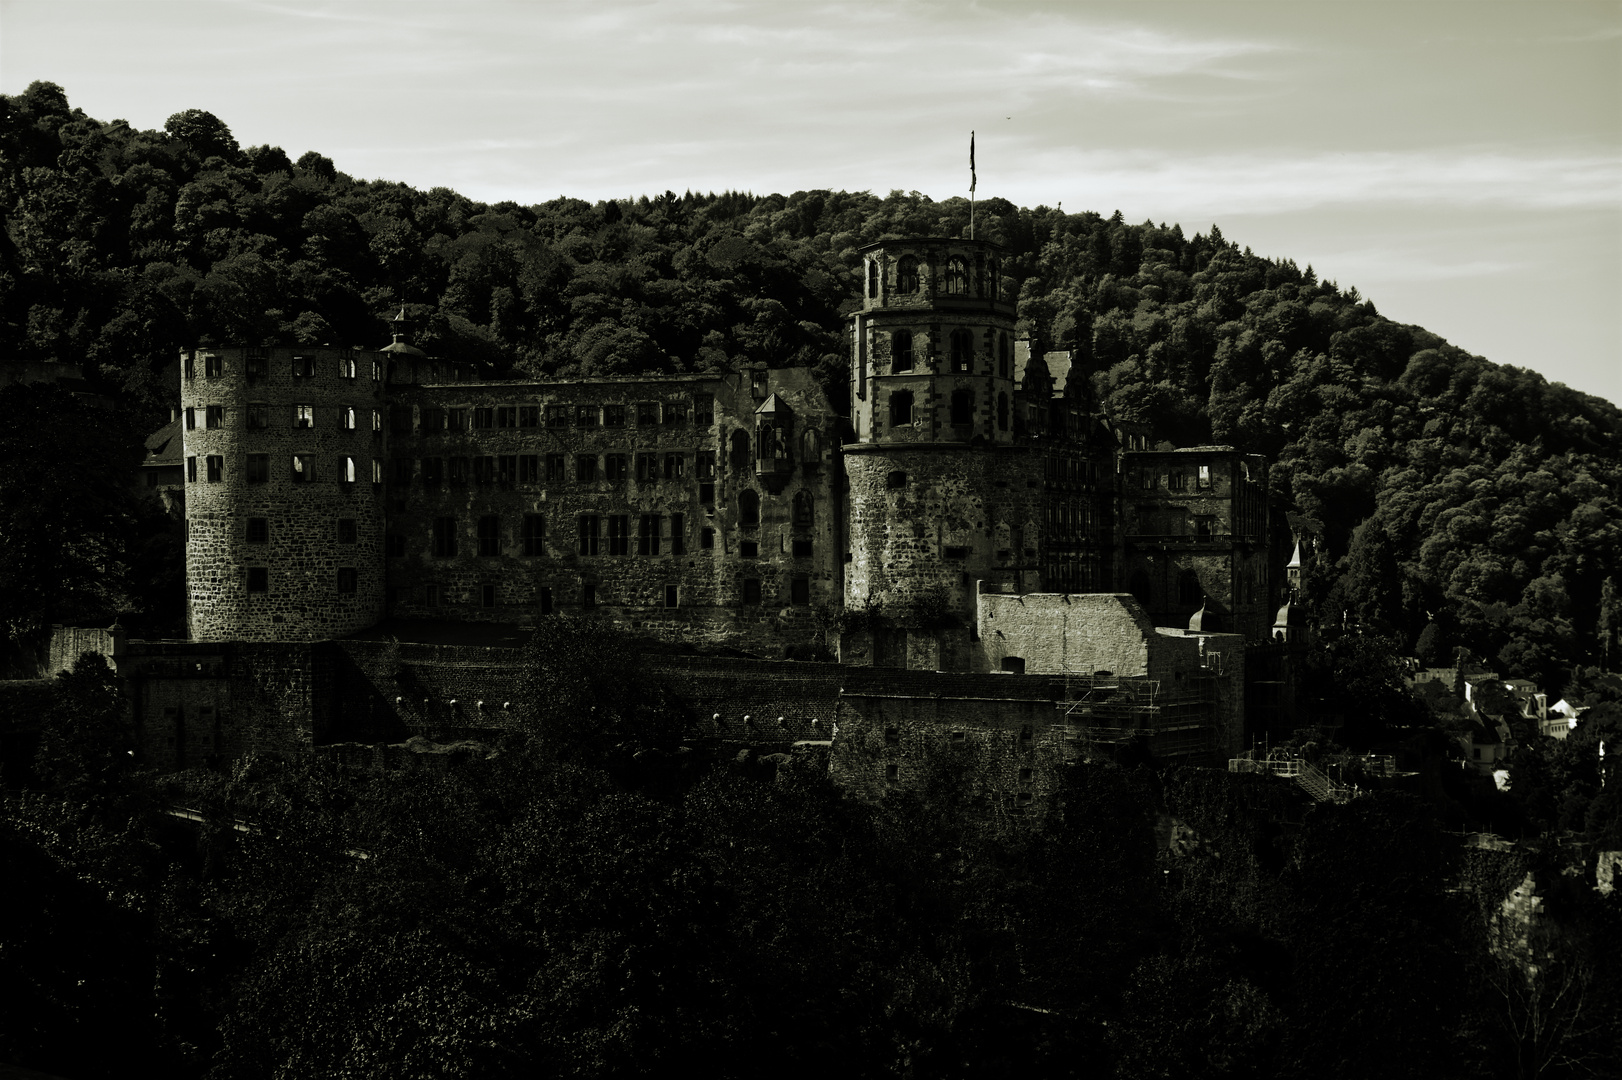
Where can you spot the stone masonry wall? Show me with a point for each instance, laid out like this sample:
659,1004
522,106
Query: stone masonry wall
317,526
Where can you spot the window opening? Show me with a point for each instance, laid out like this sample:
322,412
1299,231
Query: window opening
533,536
900,408
489,535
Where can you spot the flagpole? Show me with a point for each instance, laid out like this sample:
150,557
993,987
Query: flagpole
971,185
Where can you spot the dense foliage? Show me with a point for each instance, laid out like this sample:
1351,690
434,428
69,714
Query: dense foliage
527,909
1456,494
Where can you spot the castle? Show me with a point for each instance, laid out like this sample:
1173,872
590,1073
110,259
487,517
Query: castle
976,513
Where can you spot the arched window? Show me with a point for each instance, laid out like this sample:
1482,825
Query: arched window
748,508
906,275
1189,593
900,408
957,275
740,450
962,407
994,279
872,278
1004,356
810,447
962,350
1002,412
804,508
901,350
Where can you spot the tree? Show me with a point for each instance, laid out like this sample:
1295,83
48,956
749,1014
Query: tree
205,133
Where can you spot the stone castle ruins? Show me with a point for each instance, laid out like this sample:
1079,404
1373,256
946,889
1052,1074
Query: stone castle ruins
977,536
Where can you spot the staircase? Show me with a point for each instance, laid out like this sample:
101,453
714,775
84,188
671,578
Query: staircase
1310,778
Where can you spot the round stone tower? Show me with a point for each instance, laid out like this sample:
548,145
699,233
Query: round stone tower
942,493
284,452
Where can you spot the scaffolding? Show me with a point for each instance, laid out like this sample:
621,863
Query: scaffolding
1172,722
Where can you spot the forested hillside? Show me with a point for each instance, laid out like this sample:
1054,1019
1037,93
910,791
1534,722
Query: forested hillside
1463,502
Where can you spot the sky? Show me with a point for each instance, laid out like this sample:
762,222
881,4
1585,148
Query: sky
1459,162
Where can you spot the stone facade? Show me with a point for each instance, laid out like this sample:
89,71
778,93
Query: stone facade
1196,532
284,452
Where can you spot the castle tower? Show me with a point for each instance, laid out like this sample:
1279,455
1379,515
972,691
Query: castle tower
942,493
284,492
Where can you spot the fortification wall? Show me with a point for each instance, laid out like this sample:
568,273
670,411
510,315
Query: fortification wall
284,507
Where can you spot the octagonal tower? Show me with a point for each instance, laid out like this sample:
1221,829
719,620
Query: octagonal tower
942,492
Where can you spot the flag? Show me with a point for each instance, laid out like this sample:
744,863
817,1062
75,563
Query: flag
971,161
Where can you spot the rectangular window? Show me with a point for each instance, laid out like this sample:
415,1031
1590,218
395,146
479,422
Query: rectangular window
455,420
1177,482
529,469
346,470
258,530
484,470
377,371
484,418
678,534
1205,477
459,472
346,368
507,468
675,414
191,418
258,468
619,534
258,416
588,528
506,416
401,473
346,417
433,420
704,465
672,596
303,468
585,469
489,535
613,416
529,416
444,537
346,580
802,549
647,412
1148,481
706,494
304,416
430,596
647,534
533,536
706,539
588,594
433,472
546,600
258,365
703,409
647,468
377,421
348,532
258,579
395,545
557,469
557,416
190,365
748,549
615,468
303,367
377,470
675,466
216,468
214,417
586,416
799,590
751,590
487,596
